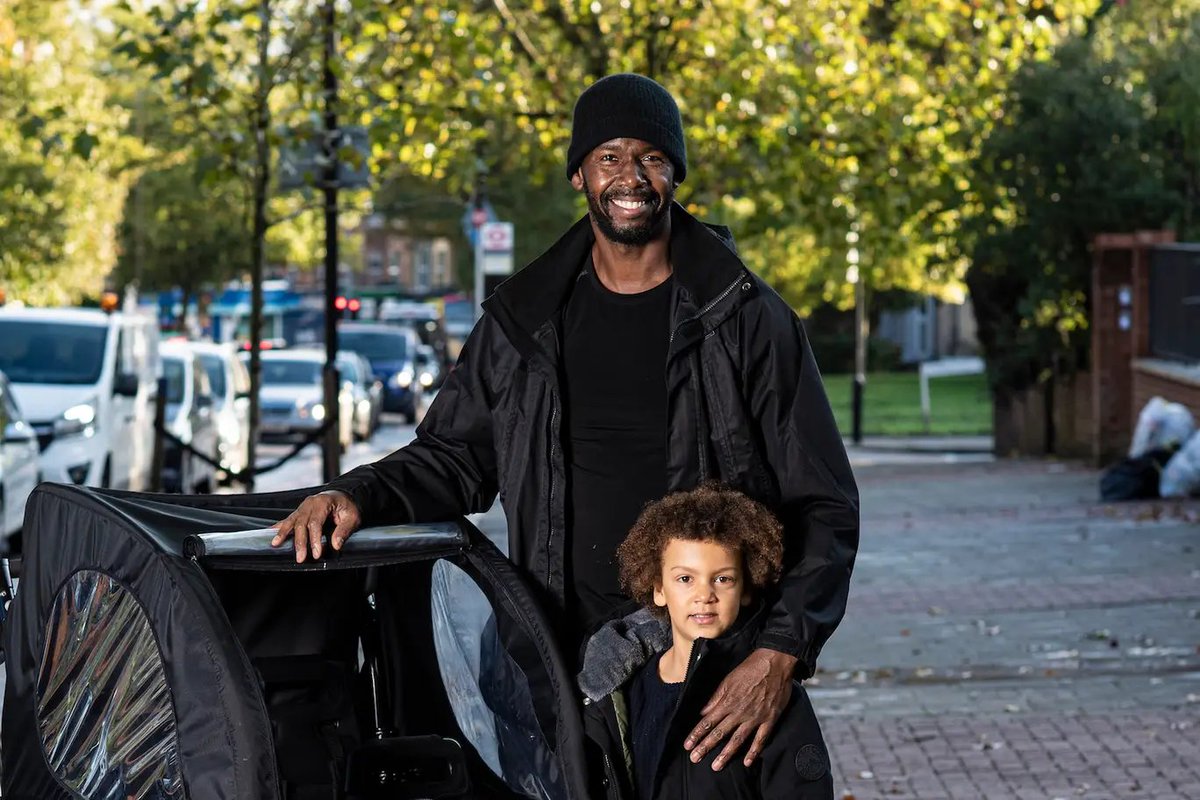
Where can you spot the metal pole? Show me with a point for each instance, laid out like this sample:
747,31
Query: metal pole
478,272
331,451
861,332
160,421
478,217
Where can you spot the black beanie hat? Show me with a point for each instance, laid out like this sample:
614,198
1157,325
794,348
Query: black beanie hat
627,105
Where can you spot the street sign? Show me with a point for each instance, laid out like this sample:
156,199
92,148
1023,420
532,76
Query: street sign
498,237
472,221
304,165
497,240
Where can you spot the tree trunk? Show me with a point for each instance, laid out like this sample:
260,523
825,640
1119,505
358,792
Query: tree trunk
262,179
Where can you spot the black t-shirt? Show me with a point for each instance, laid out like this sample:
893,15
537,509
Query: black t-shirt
614,359
652,705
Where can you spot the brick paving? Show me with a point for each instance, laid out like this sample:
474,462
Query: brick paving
1008,636
1153,754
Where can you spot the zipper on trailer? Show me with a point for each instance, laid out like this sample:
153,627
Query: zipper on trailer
707,308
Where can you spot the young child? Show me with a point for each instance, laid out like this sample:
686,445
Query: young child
703,559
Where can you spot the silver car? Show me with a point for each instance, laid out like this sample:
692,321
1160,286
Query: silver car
355,372
230,384
189,417
19,468
293,398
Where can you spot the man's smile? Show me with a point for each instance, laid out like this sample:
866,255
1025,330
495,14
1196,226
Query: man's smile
630,208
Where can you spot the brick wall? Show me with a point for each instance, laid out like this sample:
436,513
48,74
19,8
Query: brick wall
1120,332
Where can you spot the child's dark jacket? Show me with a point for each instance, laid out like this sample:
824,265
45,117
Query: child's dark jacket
794,765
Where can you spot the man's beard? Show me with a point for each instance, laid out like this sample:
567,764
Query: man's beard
635,233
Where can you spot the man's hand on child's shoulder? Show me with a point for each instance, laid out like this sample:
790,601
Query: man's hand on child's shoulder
747,704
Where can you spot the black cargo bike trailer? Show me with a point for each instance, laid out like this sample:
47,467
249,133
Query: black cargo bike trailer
159,648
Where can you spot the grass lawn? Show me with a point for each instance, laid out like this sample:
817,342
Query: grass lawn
892,404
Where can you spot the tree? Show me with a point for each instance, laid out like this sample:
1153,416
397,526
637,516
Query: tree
853,117
1094,140
242,70
172,235
61,152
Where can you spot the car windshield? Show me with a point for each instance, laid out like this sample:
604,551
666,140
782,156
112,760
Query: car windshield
51,352
349,369
173,371
376,345
214,366
275,373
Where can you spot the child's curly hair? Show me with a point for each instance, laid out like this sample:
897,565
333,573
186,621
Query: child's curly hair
708,513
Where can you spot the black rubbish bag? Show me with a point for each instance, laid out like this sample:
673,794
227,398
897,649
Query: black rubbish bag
1134,478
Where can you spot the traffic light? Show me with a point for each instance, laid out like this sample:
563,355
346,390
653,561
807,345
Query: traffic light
347,307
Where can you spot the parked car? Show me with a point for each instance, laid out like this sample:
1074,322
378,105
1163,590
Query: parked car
19,469
392,351
356,373
190,419
429,367
230,384
87,380
425,319
293,396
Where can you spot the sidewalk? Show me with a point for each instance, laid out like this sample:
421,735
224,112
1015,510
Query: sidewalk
876,450
1008,636
927,444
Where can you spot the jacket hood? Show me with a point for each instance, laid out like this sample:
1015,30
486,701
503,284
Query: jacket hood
703,257
618,650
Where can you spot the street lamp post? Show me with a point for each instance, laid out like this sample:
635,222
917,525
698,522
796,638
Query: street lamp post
861,332
479,216
331,443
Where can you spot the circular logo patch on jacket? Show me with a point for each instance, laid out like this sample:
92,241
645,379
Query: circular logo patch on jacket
811,762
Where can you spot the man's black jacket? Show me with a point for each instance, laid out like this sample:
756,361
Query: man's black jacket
794,765
746,406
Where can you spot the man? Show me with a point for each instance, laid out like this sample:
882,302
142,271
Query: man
636,356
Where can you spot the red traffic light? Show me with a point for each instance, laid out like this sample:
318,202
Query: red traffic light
354,304
339,303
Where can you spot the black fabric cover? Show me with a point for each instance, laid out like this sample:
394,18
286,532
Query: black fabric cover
136,539
556,702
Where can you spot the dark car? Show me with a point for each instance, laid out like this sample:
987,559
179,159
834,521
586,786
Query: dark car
392,352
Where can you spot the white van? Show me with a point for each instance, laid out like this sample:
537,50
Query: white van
86,381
